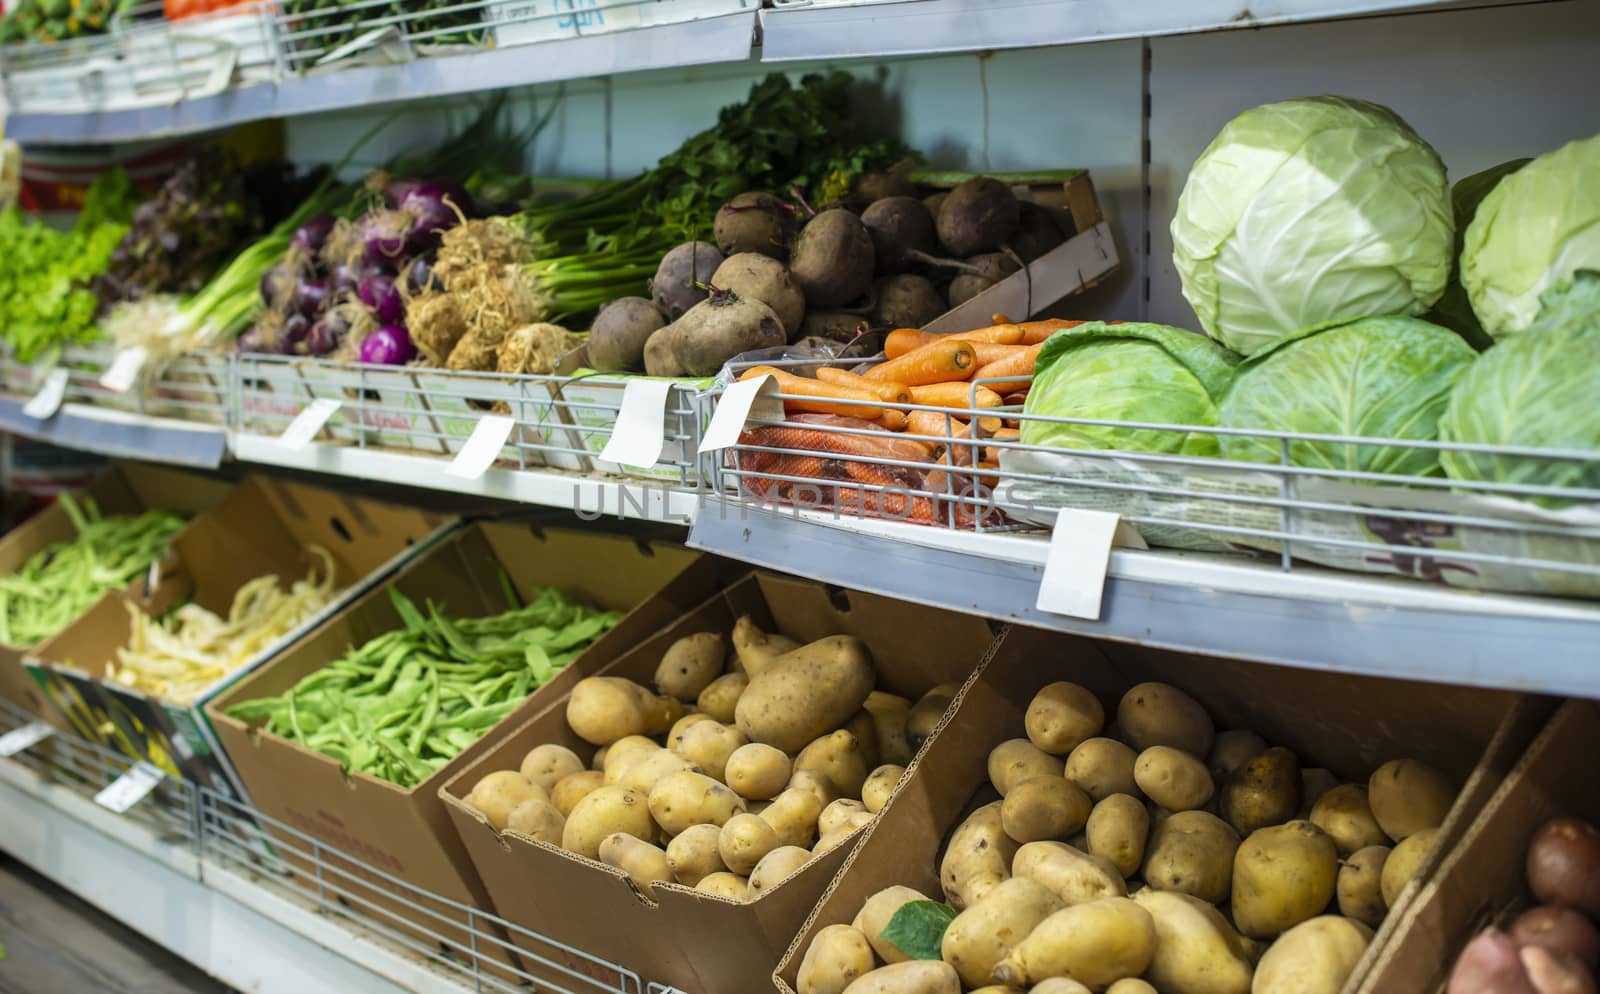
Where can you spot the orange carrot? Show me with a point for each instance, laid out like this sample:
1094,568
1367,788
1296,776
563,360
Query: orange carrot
892,419
894,393
1015,364
1034,332
954,395
936,362
992,453
987,352
935,424
802,394
900,341
1000,334
1000,319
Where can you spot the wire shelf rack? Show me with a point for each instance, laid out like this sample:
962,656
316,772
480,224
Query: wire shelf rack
190,387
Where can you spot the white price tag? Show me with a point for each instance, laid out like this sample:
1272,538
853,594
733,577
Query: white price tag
307,423
47,401
641,430
123,372
746,399
1075,567
130,788
483,447
22,738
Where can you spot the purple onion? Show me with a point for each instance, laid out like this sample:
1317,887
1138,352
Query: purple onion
313,233
382,297
342,277
389,345
383,236
295,329
251,341
431,215
325,335
394,191
310,297
420,272
276,285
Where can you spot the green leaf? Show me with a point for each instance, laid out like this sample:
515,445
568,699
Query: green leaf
917,928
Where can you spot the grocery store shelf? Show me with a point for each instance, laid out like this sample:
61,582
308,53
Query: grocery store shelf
1217,605
830,29
725,38
121,434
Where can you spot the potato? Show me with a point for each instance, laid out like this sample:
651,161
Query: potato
644,863
1044,807
1314,957
838,757
724,884
815,782
1343,813
1360,886
929,711
1264,791
686,798
693,854
496,794
1173,779
610,809
890,715
806,693
1057,985
1061,715
978,856
755,649
880,785
793,815
838,814
1094,943
1197,951
1192,853
838,954
538,819
651,770
985,933
1563,865
545,765
676,732
916,977
1074,876
1117,831
1231,750
708,744
1314,782
1407,797
1153,714
603,709
874,917
574,787
1561,929
1016,760
776,867
1282,876
720,699
1130,985
744,841
690,664
615,758
1102,767
1404,862
757,772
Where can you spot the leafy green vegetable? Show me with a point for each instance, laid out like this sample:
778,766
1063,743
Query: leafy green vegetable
917,928
1128,372
1378,378
1454,310
1536,228
1537,390
1307,214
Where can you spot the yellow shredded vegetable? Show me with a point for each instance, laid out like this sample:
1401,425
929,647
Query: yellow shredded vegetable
194,648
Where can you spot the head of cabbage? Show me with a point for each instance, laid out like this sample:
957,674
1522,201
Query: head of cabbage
1128,372
1537,227
1307,214
1540,390
1387,378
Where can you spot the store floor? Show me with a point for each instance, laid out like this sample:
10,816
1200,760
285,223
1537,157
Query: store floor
55,943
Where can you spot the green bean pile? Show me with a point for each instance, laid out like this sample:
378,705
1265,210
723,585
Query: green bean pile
64,580
406,703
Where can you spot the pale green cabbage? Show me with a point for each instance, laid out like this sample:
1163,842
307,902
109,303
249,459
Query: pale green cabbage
1387,377
1453,310
1128,372
1311,213
1535,229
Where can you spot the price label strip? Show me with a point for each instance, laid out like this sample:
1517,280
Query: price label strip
47,401
746,399
124,370
130,788
307,423
1075,568
483,447
641,429
25,737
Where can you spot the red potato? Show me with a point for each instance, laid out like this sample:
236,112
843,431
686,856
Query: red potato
1490,965
1560,929
1555,972
1564,865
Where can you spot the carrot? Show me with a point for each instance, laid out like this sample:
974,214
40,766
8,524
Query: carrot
902,340
1015,364
802,394
1000,319
1000,334
894,393
936,362
991,453
892,419
955,395
987,352
1034,332
935,424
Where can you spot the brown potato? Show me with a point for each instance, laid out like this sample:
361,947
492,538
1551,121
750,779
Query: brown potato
840,814
725,885
679,727
1231,750
875,914
538,819
928,712
793,814
757,772
607,810
1314,782
806,693
547,764
693,854
644,863
978,857
880,786
1102,767
496,794
1343,813
687,798
1016,760
1094,944
837,956
776,867
1282,875
744,841
1360,886
615,759
690,664
1074,876
1117,830
720,699
891,714
1044,807
756,649
985,933
708,745
571,789
1317,955
1404,862
1173,779
838,757
1153,714
1264,791
1061,716
1407,796
915,977
1192,852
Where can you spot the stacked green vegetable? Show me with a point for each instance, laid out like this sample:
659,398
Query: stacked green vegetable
406,703
63,580
51,21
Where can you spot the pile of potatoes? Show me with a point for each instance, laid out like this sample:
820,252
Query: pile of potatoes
1152,856
730,774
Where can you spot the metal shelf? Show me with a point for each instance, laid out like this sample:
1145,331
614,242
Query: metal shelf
120,434
1216,605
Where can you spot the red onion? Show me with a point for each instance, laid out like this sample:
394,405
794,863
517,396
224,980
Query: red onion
389,345
312,233
378,292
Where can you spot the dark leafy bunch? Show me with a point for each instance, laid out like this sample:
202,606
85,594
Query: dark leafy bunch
324,25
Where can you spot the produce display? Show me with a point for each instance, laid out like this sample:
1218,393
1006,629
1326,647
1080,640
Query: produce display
1148,852
53,21
406,703
61,581
1553,947
178,656
728,775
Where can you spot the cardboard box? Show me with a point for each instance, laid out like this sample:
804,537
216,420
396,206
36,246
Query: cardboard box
405,833
125,488
1346,724
674,934
1483,881
263,527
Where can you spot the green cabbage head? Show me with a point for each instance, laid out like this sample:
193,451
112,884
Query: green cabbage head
1541,390
1128,372
1307,214
1536,228
1387,377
